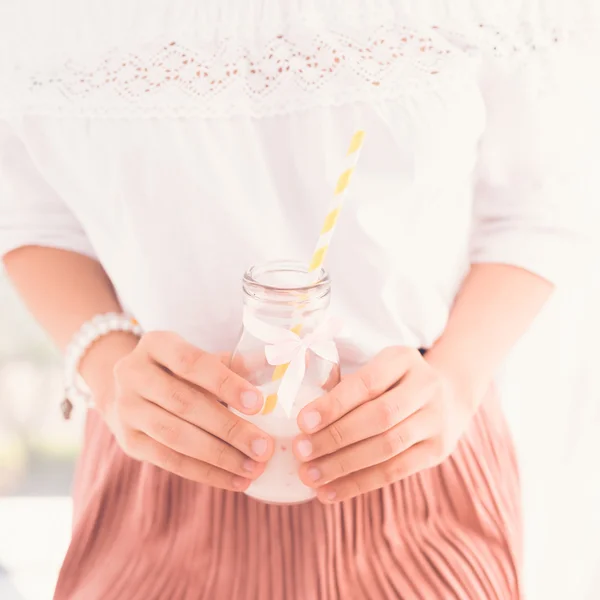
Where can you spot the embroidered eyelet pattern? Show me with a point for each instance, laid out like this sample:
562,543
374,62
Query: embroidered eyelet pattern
220,78
288,72
502,44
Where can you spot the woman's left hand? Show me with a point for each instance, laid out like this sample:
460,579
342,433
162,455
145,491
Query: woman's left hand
394,417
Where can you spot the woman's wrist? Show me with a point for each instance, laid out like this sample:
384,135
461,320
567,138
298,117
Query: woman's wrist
468,375
97,365
494,307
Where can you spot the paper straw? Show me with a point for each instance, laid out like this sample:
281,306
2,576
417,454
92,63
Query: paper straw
318,257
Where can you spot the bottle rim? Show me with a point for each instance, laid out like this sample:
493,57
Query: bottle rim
254,280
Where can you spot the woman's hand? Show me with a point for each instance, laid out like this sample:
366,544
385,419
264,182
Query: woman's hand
394,417
164,408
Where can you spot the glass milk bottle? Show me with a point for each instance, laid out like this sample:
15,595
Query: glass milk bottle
276,295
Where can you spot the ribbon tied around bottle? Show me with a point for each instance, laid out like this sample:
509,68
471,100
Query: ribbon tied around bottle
284,347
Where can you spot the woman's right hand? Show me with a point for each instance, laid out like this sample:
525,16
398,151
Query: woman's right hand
164,409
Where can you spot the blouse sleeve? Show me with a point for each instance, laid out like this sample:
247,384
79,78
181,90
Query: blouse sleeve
31,212
532,188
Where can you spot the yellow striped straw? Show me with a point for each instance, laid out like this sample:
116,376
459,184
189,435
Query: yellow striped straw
318,257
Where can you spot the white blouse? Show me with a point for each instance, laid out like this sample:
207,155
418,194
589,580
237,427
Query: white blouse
180,142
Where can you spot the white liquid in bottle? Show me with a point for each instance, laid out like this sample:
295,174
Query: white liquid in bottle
280,484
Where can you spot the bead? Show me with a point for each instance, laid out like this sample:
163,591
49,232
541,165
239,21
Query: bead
76,390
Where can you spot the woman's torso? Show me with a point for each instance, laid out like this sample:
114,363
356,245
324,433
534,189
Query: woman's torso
187,158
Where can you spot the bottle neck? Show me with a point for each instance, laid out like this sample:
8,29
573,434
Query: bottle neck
285,294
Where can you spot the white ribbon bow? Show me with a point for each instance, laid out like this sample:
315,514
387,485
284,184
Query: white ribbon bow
284,347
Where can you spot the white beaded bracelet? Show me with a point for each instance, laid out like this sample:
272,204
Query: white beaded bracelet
76,390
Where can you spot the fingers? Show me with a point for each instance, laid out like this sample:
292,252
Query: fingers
195,407
369,419
189,440
369,382
413,460
142,447
373,451
202,369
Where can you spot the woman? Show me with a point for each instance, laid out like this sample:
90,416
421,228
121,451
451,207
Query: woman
149,156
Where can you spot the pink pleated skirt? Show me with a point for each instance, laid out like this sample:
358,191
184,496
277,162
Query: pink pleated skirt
448,533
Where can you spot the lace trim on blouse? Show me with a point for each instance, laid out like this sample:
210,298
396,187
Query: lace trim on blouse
290,71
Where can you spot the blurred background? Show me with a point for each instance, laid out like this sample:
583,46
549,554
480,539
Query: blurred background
38,450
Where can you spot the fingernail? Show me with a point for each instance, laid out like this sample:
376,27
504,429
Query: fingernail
314,473
311,419
248,465
259,447
239,483
304,448
330,496
251,400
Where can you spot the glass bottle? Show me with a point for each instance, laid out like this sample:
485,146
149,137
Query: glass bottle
277,294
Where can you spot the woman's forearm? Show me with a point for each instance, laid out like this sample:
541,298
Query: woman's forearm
63,290
495,306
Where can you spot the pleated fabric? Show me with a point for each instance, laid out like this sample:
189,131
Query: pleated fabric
451,532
